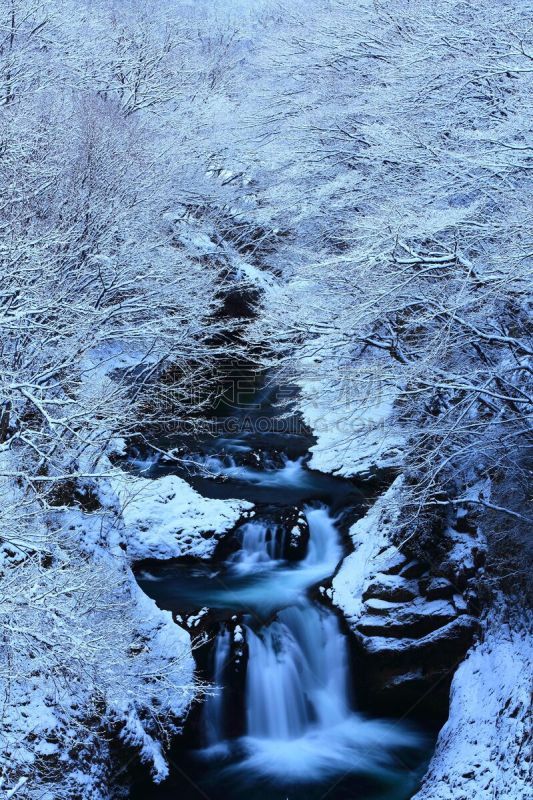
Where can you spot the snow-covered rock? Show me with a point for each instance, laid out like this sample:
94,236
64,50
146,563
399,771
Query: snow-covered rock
372,550
391,588
411,621
167,518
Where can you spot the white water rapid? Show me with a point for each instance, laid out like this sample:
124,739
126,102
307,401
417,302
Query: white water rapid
292,473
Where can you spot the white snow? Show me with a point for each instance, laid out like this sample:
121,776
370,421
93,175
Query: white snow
381,606
372,550
164,641
257,277
167,518
353,437
483,749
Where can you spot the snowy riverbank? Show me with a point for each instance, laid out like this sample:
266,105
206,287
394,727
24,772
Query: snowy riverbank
481,751
484,748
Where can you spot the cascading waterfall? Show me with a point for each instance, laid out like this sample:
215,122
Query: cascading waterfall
297,666
261,544
276,706
292,731
300,725
214,707
297,674
324,549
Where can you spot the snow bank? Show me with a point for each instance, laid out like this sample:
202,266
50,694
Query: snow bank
164,642
167,518
87,651
145,670
371,538
153,654
353,434
483,749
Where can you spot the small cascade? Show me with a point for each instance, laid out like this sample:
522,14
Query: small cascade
262,544
144,464
291,474
214,706
212,466
324,548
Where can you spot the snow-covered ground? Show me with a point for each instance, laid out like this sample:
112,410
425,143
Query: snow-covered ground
484,749
352,430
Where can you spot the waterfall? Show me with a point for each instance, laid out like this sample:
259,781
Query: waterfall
300,726
297,674
297,665
280,721
214,707
276,705
261,544
144,464
324,549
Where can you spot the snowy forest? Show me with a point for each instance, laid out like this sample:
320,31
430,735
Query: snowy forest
265,399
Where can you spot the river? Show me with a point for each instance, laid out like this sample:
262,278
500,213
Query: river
282,721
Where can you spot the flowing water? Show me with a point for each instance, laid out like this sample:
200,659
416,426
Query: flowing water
301,735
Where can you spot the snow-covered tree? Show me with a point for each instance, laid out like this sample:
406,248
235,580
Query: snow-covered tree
101,294
401,158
